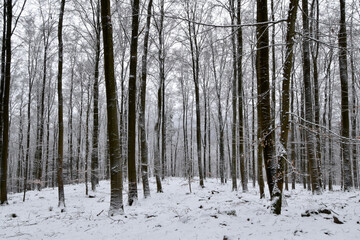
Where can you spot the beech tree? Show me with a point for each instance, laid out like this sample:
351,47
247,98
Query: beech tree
132,104
4,98
142,120
60,156
116,201
345,122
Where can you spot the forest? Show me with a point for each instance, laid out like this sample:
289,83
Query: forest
253,96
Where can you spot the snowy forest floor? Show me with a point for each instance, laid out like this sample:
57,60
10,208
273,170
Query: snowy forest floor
213,212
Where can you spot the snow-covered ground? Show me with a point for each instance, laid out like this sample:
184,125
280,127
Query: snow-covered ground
214,212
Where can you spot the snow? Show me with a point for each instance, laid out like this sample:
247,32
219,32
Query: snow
213,212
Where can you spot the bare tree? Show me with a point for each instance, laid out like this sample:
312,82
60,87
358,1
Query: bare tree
142,121
132,105
116,202
60,156
345,122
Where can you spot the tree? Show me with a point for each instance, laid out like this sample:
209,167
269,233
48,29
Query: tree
234,99
47,28
285,106
4,99
195,50
243,174
264,110
345,122
310,137
132,105
142,121
116,202
60,156
95,137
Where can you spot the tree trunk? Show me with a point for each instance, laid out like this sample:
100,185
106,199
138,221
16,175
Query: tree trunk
345,123
5,95
284,115
116,201
310,137
243,173
132,105
234,99
264,111
95,137
60,156
143,140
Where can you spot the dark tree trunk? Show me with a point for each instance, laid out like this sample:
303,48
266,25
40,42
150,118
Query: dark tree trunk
345,123
243,174
264,110
4,111
86,170
314,32
310,137
284,115
143,140
132,105
95,137
60,156
116,201
195,58
234,100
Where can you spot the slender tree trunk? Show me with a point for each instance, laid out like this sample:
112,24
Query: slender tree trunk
143,140
234,99
70,123
2,104
60,156
20,157
132,105
310,137
354,112
116,201
95,137
5,106
195,58
86,170
284,115
78,155
243,173
314,33
264,111
345,123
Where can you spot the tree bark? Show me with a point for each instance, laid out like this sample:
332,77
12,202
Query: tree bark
60,156
264,110
95,137
142,113
5,95
116,201
345,123
284,115
132,105
309,134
